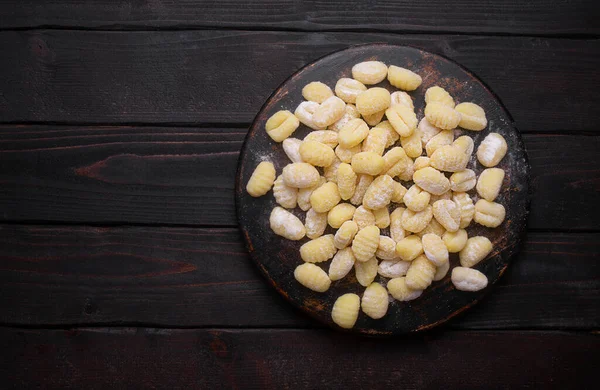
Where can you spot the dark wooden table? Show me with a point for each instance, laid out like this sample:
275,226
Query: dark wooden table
121,264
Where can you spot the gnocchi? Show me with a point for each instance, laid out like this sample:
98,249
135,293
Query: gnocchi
431,180
316,153
262,179
468,279
342,264
409,248
375,301
318,250
415,221
312,277
353,133
402,119
345,234
299,175
386,249
315,224
475,250
382,217
325,197
472,116
402,78
286,197
329,112
346,181
392,268
305,111
365,243
345,310
366,272
339,214
442,116
446,212
373,101
281,125
438,95
316,92
379,194
363,217
435,249
420,273
489,214
285,224
400,291
492,150
463,181
348,89
368,163
489,183
370,72
364,181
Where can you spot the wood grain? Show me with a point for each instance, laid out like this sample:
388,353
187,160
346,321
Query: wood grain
175,277
540,17
283,359
165,175
190,77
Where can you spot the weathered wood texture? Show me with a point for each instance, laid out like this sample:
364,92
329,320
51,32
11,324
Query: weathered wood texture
185,176
203,277
225,76
487,16
282,359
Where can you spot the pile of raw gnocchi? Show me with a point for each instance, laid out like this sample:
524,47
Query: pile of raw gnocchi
360,159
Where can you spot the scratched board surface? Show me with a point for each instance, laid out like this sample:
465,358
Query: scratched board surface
277,257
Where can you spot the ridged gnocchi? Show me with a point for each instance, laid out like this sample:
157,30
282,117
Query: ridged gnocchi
442,116
379,193
369,72
318,250
375,301
299,175
475,250
373,101
345,310
281,125
346,181
365,243
325,197
329,112
492,150
316,92
402,119
489,214
262,179
285,224
345,234
316,153
472,116
315,224
403,78
431,180
285,196
341,264
400,290
468,279
366,271
312,277
348,89
415,221
363,217
420,273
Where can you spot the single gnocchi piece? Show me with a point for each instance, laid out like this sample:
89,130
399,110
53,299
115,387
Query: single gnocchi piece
339,214
370,72
435,249
375,301
367,163
468,279
345,310
463,181
330,172
441,272
349,113
315,224
375,141
421,162
392,268
438,95
285,224
379,193
455,241
300,175
345,155
447,213
431,180
353,133
397,232
363,217
366,271
382,217
305,111
312,277
489,183
342,264
476,249
345,234
327,137
316,153
449,158
442,116
402,78
466,208
401,97
285,196
374,119
318,250
346,181
281,125
348,89
325,197
398,192
412,144
420,273
427,131
409,248
291,147
403,119
492,150
373,100
416,199
364,181
395,160
365,243
416,221
393,136
316,92
400,290
386,249
262,179
465,143
472,116
329,112
305,193
443,138
489,214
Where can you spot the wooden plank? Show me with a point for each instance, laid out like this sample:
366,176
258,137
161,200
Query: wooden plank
225,76
282,359
204,278
164,175
487,16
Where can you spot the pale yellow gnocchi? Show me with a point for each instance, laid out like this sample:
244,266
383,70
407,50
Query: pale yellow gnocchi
348,89
369,72
312,277
366,271
281,125
375,301
400,290
345,234
365,243
472,116
403,78
318,250
492,150
262,179
373,101
489,183
489,214
285,224
341,264
345,310
316,92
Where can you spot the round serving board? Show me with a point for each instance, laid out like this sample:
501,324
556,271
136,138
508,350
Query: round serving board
278,257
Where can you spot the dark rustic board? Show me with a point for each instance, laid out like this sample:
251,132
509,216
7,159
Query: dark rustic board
277,257
191,77
540,17
204,277
285,359
177,175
